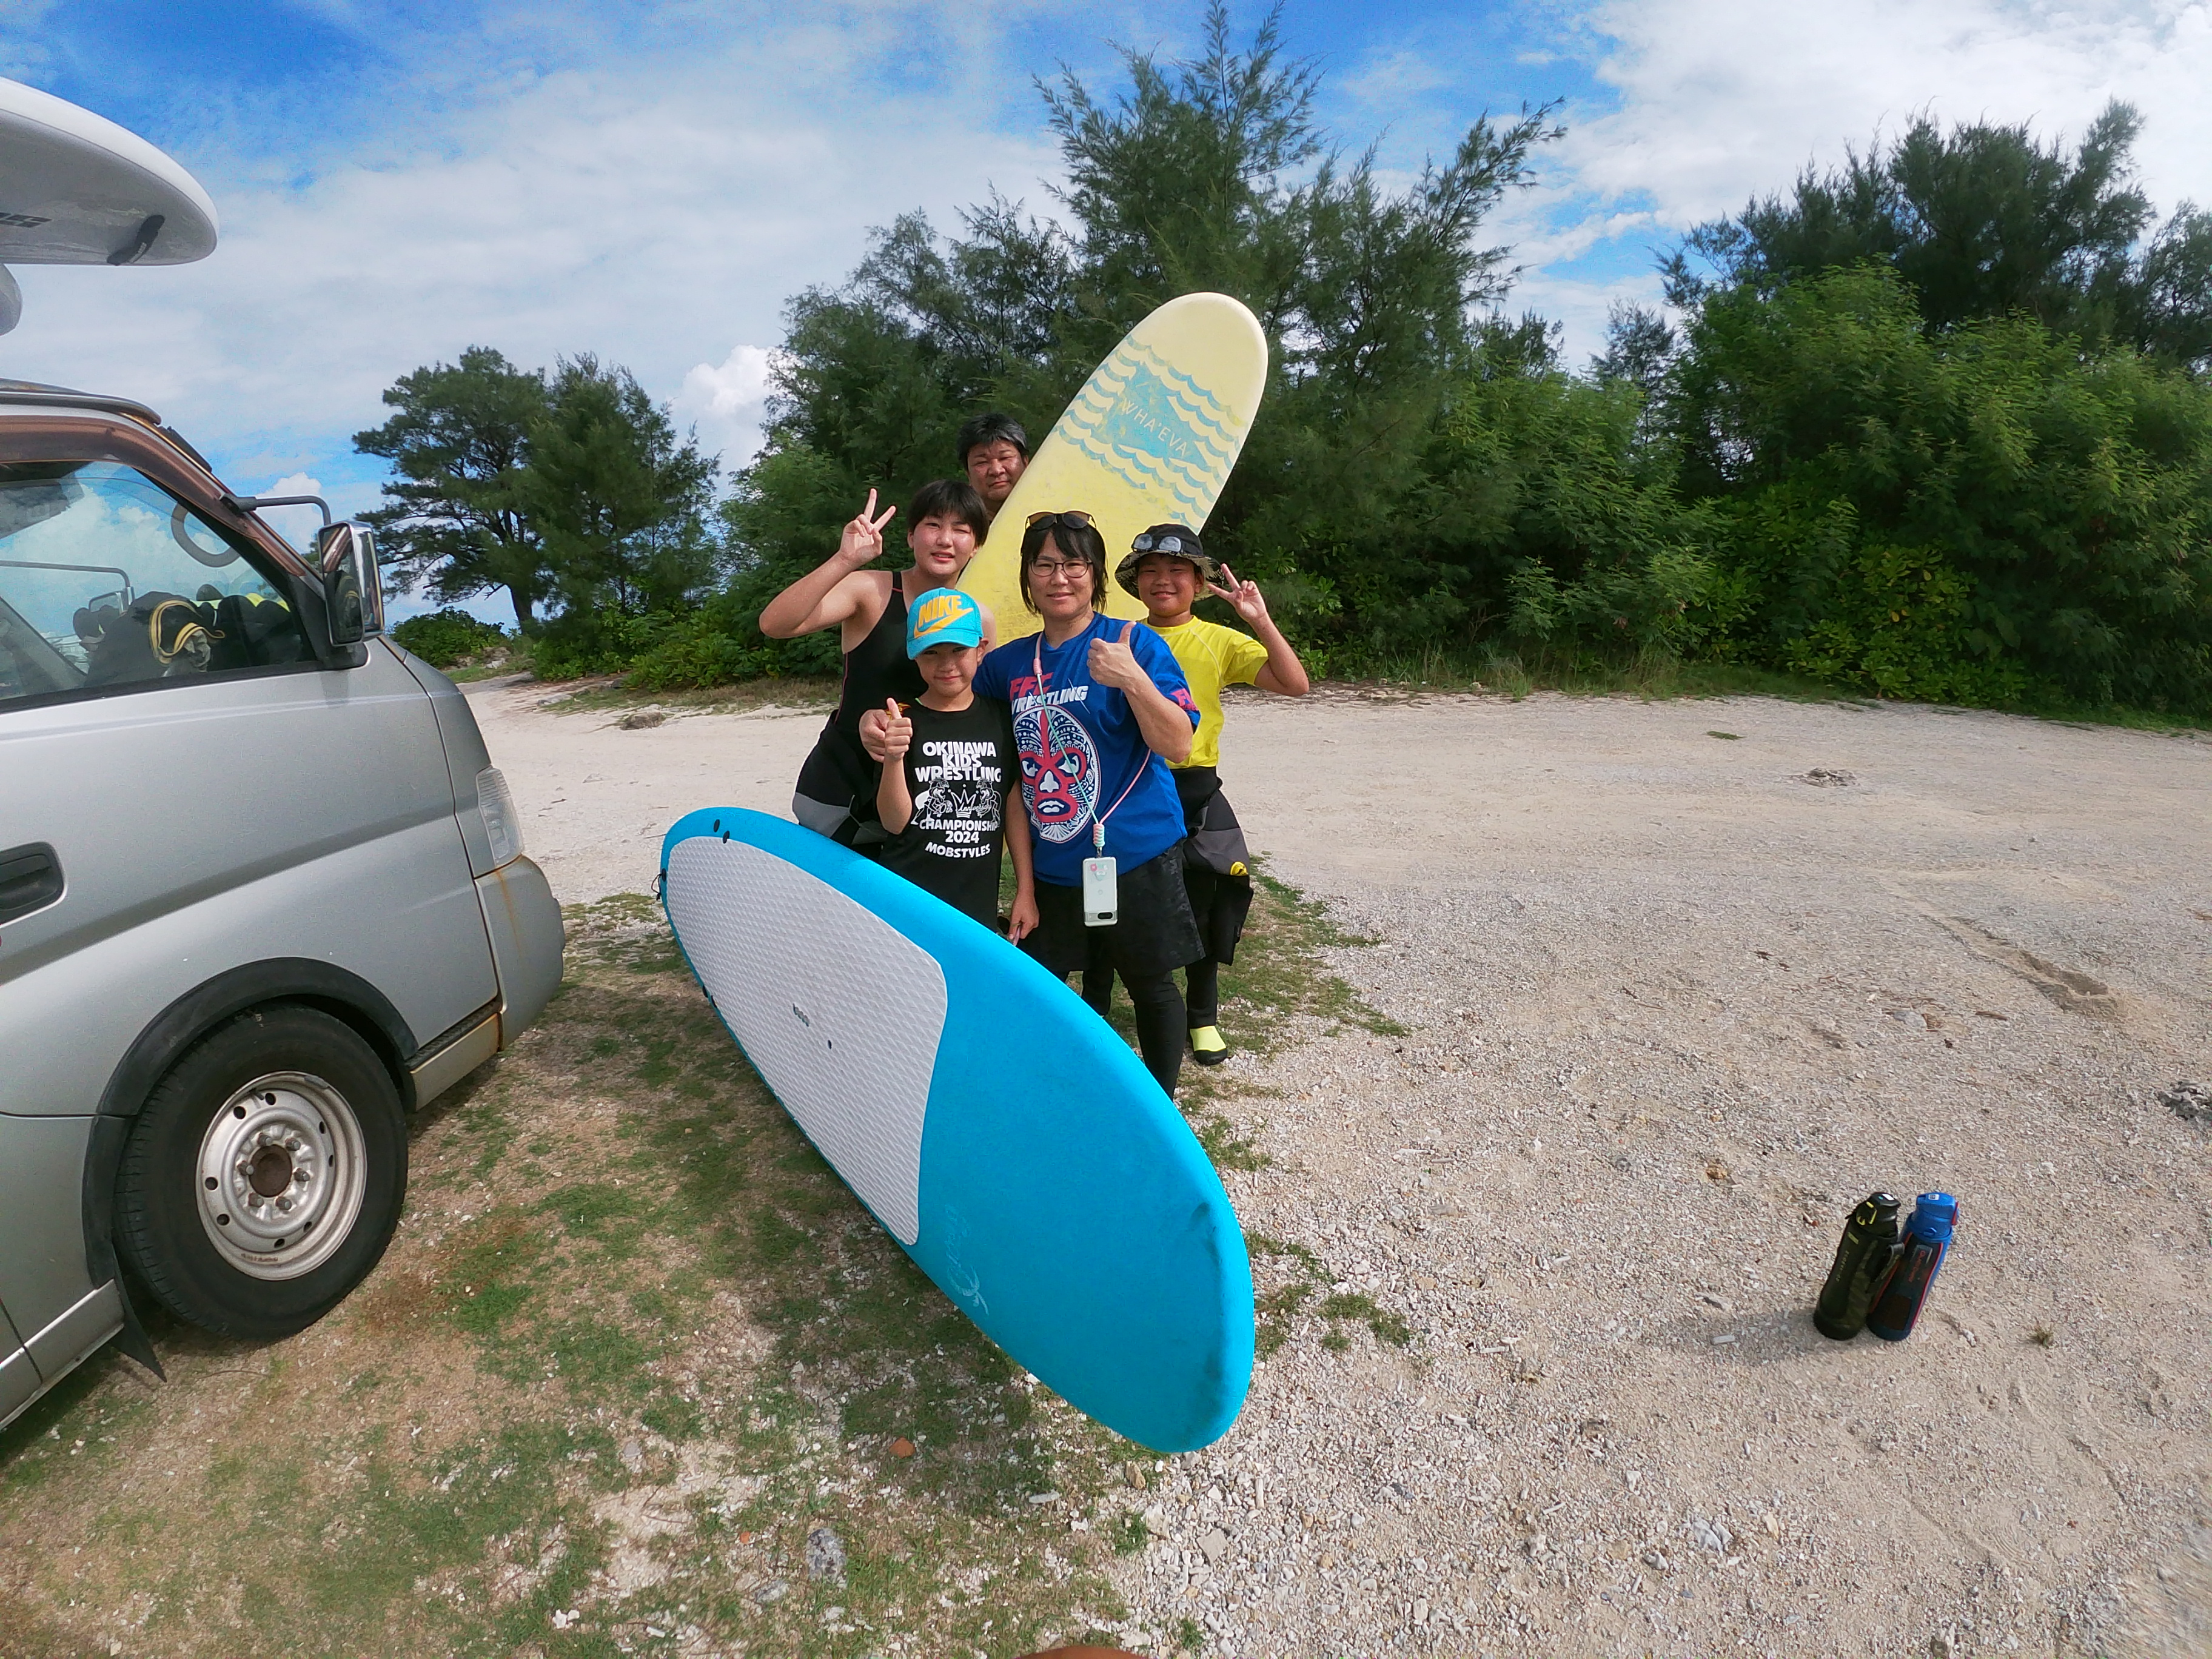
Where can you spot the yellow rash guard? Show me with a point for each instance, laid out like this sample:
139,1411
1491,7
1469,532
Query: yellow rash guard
1211,657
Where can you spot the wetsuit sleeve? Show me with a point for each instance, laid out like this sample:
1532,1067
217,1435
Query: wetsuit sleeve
1151,652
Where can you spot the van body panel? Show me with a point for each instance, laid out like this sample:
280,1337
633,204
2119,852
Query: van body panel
524,919
43,1273
465,754
20,1382
81,1329
454,1060
226,835
205,824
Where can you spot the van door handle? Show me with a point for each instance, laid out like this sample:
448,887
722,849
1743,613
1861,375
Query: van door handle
30,879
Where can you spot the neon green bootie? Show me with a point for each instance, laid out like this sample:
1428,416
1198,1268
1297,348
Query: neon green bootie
1206,1047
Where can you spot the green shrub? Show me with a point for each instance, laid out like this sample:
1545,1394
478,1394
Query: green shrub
446,637
712,644
1986,515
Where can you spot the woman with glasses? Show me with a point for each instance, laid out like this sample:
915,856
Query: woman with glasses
1101,709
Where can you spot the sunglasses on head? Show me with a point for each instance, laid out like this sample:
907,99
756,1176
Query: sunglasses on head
1071,521
1170,543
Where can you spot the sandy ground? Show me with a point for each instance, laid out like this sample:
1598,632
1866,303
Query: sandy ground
1671,1009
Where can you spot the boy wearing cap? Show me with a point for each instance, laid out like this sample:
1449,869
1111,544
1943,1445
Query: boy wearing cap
1165,568
951,775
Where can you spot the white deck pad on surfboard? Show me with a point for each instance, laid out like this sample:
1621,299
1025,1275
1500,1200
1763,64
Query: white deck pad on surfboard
1000,1130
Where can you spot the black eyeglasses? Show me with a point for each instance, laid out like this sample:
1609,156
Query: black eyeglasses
1170,543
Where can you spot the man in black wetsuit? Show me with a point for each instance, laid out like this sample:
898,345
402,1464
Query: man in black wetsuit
946,519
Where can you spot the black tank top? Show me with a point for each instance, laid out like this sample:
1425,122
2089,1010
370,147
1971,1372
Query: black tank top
878,668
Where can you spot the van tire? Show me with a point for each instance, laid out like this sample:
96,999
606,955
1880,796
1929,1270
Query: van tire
283,1107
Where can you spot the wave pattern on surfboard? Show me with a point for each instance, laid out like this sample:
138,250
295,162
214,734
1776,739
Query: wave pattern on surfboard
1155,428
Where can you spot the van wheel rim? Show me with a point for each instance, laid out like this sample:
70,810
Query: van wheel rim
281,1175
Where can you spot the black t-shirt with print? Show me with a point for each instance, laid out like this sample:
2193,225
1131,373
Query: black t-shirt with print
958,770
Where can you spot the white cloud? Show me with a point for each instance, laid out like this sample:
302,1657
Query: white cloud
656,208
296,525
1723,98
727,402
1387,79
651,212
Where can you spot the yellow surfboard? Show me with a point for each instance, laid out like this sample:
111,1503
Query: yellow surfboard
1149,440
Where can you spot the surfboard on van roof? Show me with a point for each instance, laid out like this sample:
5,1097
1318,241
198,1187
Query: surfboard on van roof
76,189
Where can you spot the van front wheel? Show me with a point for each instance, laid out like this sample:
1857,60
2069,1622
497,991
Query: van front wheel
265,1175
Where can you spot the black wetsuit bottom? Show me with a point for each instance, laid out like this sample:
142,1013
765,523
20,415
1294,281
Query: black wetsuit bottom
1160,1028
1202,993
1218,903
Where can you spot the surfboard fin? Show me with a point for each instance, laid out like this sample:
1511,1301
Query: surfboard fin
141,242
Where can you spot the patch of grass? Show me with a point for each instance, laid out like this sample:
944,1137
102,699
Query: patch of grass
512,656
628,930
664,1346
1387,1326
1298,1274
2043,1336
624,1374
90,1404
1279,969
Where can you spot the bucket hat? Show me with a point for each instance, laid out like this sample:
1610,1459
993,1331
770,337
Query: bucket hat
1177,541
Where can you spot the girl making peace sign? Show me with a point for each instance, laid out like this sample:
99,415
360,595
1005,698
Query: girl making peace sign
946,519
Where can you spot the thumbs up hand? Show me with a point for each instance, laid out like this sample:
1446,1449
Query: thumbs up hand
1112,663
898,732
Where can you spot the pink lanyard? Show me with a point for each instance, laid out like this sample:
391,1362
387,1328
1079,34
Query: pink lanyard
1099,819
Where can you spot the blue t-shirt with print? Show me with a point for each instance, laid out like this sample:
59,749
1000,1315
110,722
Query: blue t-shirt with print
1080,746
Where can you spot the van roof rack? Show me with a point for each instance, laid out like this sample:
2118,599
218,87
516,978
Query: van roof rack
35,391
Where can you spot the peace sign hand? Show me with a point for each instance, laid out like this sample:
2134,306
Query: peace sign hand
863,540
1243,596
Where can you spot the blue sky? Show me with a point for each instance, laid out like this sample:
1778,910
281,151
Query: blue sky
651,182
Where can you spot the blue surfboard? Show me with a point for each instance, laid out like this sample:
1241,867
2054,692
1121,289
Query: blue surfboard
997,1128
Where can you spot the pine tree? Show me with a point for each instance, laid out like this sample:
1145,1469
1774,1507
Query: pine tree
453,517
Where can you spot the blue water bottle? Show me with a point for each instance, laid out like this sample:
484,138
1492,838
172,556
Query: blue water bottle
1927,1239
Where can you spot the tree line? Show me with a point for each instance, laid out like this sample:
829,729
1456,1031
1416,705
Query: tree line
1934,423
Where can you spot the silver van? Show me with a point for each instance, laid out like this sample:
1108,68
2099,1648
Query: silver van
262,894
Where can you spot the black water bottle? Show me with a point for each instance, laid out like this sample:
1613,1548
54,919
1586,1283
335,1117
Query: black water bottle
1863,1261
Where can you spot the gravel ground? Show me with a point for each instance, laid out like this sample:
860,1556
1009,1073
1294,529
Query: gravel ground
1680,982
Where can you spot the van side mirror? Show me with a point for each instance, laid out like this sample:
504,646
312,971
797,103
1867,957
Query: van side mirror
353,593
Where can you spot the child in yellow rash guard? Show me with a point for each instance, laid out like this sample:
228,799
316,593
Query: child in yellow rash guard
1165,568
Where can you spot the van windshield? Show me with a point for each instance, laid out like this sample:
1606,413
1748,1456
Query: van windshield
107,580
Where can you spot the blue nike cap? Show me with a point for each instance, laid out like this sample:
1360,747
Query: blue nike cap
944,615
